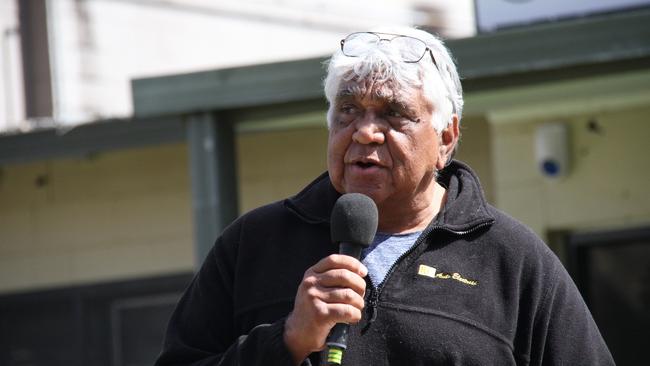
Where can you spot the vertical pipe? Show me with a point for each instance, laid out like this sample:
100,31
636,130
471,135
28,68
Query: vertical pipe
214,179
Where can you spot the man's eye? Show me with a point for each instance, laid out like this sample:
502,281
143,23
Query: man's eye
348,109
394,113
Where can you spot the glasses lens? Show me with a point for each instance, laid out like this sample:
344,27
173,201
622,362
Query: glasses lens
411,49
357,44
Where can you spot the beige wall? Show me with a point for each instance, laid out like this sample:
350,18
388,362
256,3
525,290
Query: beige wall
275,165
607,187
127,213
475,150
114,215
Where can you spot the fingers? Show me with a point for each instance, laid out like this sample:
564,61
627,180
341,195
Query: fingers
337,272
337,278
335,288
338,313
340,261
337,296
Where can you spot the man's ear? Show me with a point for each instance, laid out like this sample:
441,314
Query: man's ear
448,141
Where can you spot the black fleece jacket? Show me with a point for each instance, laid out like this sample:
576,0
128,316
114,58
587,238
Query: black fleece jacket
478,288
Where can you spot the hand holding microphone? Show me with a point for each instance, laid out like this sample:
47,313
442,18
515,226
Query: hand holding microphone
332,290
353,227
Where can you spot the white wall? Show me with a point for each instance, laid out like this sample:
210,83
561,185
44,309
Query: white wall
98,46
12,108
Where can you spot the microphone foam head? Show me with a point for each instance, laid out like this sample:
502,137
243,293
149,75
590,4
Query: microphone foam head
354,219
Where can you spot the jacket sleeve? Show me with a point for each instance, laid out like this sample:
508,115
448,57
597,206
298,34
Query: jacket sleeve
201,329
564,332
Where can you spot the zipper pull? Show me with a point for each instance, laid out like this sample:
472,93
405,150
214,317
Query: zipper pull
371,310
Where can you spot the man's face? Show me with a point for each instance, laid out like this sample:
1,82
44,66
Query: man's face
382,142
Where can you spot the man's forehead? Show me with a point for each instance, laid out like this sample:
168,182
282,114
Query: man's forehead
387,90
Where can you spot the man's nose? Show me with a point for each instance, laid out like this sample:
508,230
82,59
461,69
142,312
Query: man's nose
369,131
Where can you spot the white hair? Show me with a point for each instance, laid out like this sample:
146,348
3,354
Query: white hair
440,85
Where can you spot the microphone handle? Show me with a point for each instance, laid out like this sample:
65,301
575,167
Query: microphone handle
337,340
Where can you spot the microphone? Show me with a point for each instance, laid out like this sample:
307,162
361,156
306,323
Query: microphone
353,227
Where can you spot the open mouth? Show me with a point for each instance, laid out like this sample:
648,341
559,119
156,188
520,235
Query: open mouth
365,165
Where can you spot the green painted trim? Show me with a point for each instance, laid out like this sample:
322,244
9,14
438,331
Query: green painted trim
594,40
229,88
90,138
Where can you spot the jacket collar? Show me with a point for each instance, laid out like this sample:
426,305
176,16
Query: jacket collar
464,210
315,202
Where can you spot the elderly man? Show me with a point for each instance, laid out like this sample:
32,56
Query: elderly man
448,280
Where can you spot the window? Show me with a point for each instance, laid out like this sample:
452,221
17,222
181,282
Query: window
612,271
110,324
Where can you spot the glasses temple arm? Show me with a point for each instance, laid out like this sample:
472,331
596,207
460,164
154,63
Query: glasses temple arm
433,59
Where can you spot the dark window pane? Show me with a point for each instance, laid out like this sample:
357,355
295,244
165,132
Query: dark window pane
139,327
612,271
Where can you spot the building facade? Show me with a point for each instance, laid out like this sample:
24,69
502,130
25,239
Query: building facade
103,224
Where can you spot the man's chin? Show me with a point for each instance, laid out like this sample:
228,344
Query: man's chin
376,193
374,187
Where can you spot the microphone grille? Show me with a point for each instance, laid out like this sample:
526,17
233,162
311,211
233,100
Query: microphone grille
354,219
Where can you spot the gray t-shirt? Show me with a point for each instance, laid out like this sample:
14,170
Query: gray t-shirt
384,252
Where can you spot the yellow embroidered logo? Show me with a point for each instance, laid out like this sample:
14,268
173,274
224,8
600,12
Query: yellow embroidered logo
424,270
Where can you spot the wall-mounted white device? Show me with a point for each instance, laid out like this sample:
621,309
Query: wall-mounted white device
552,149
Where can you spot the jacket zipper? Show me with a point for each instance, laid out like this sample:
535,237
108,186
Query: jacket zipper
373,297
